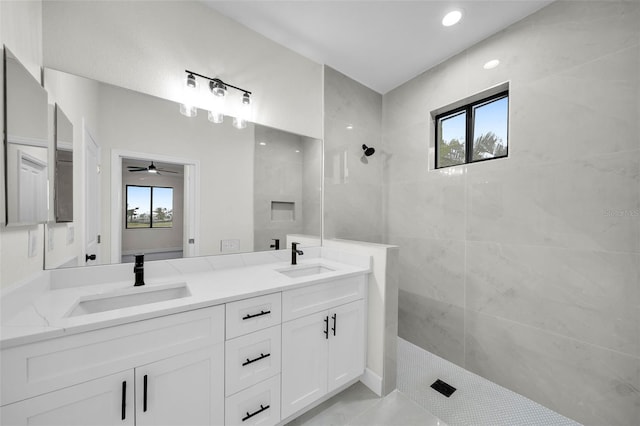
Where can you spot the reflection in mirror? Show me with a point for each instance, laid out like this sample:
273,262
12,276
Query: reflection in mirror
25,146
63,181
230,190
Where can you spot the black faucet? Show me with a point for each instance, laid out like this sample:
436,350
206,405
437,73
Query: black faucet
276,244
294,253
138,269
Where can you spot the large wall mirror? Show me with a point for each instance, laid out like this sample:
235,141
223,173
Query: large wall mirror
25,145
147,179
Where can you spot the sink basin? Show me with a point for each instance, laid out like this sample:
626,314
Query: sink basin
133,297
305,270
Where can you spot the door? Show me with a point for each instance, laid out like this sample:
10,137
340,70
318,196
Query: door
92,200
186,389
346,357
304,362
104,401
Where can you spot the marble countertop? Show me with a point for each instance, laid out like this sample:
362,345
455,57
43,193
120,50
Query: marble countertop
46,316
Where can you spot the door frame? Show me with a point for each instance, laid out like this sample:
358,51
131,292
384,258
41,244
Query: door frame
89,138
191,228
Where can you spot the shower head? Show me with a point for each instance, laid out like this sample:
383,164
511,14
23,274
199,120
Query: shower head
368,151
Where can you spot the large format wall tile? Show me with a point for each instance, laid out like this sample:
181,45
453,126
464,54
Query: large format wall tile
435,326
592,385
577,204
432,268
588,295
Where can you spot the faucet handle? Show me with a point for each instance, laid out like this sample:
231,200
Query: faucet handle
139,259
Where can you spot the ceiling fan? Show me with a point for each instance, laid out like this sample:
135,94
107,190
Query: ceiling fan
149,169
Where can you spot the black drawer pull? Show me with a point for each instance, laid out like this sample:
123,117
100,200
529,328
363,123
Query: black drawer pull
124,400
249,316
144,398
262,408
335,316
326,327
251,361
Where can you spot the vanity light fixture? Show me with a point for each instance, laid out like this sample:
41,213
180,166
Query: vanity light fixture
452,18
218,89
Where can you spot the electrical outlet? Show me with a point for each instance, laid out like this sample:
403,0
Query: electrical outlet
229,246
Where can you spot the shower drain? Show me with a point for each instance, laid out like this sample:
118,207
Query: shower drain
444,388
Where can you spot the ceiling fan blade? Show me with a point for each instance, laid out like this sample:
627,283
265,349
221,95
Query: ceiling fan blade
136,168
166,171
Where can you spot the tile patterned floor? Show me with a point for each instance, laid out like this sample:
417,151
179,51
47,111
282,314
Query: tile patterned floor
476,401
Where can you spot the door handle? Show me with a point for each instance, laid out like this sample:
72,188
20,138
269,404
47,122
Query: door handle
88,257
335,316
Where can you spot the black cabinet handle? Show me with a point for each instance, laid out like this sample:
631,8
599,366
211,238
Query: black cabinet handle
326,327
262,408
249,316
124,400
251,361
144,397
335,316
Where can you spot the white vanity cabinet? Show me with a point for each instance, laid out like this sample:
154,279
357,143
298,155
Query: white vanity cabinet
322,349
98,377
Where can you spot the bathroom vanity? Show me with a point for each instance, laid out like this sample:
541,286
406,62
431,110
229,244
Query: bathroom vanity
258,344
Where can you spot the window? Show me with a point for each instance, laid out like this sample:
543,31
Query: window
477,131
149,207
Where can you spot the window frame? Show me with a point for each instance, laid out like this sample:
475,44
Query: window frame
469,109
151,187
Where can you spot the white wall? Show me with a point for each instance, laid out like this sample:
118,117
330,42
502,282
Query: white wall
21,32
147,45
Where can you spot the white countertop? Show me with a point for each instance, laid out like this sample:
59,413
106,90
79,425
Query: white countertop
45,316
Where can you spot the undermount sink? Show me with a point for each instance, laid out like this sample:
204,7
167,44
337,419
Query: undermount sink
133,297
304,270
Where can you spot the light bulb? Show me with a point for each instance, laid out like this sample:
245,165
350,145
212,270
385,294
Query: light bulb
216,113
240,121
188,108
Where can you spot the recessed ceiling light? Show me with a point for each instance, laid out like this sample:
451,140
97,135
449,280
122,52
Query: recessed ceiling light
452,18
349,126
297,150
491,64
262,143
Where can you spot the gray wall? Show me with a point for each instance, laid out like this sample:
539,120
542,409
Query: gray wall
353,190
516,269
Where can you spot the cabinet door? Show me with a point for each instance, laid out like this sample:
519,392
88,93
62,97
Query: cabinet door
186,389
304,362
104,401
346,343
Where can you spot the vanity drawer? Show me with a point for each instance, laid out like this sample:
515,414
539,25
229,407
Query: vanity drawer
257,405
249,315
252,358
36,368
318,297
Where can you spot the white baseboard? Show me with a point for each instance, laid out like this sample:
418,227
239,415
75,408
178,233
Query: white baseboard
372,381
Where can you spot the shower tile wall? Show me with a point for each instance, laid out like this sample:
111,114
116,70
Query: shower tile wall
527,270
353,184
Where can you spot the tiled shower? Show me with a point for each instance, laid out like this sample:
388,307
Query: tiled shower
524,270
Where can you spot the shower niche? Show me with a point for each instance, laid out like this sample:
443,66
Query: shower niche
283,211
